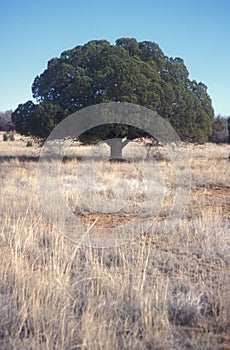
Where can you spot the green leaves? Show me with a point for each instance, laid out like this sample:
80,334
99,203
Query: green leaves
129,71
37,120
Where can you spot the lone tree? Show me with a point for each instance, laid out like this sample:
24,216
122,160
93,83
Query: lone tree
129,71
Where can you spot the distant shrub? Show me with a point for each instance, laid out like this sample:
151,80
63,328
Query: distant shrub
5,137
6,123
220,130
11,136
29,144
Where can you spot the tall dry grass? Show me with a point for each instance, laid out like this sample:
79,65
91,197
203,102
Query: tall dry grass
162,291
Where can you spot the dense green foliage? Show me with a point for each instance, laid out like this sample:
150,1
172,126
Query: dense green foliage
129,71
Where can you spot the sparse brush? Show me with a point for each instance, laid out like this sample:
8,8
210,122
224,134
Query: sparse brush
11,136
29,143
5,137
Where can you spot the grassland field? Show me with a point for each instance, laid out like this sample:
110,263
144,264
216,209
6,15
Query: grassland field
160,291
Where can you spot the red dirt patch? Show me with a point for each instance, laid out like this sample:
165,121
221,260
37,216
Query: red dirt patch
212,193
105,220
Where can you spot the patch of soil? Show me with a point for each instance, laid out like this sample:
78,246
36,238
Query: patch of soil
105,220
218,196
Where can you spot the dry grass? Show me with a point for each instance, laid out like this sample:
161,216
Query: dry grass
159,292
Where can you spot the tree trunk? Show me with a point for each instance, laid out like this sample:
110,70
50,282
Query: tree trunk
116,147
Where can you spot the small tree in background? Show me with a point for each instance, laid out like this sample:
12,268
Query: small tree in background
6,123
220,130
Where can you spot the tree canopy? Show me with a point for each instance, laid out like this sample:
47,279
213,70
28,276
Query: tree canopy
128,71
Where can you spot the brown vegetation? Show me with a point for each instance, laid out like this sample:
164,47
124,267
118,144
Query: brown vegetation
162,291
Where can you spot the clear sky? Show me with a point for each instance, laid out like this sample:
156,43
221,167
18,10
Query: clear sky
34,31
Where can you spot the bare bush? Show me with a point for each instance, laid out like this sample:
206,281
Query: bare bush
6,123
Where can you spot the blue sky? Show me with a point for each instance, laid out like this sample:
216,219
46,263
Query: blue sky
34,31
